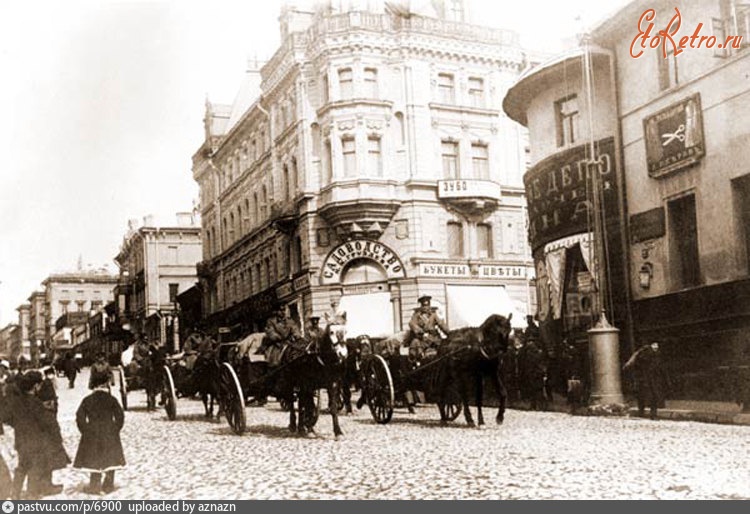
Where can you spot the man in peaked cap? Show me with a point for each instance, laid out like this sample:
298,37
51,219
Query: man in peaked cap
425,327
280,330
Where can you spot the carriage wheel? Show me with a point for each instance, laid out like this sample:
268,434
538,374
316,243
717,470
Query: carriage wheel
378,389
452,407
170,395
231,398
123,388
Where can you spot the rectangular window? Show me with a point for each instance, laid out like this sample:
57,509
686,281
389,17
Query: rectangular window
348,149
683,243
374,160
346,83
484,241
172,256
449,151
371,83
480,161
81,306
64,306
446,90
567,115
476,92
455,239
174,290
667,70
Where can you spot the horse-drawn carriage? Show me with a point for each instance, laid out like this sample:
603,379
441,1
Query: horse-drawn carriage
445,376
233,371
144,373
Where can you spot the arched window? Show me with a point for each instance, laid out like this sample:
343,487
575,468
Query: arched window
363,271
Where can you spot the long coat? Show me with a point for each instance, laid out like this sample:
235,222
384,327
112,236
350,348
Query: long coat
100,419
37,432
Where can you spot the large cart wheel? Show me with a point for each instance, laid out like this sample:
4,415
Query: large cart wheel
231,398
169,394
378,389
452,406
123,388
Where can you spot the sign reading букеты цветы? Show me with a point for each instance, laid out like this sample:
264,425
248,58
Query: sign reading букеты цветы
465,271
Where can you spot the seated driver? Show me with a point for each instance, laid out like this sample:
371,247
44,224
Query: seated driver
280,330
425,327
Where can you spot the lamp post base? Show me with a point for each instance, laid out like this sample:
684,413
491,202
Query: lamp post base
604,355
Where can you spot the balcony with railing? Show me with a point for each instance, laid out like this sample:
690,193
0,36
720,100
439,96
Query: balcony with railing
471,196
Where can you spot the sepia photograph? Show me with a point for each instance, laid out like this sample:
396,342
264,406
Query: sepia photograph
373,250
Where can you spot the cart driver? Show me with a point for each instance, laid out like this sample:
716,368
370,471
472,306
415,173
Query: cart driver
280,331
425,330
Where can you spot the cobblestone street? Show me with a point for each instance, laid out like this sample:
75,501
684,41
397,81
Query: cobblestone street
532,456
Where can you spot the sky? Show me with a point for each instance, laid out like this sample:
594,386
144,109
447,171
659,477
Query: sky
104,100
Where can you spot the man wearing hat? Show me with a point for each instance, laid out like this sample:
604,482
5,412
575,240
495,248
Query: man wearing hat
423,327
646,366
101,367
313,329
280,330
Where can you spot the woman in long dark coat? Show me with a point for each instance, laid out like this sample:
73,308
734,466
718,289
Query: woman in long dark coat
100,419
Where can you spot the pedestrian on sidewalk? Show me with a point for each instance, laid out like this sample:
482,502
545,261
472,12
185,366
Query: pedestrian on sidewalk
645,363
100,419
48,391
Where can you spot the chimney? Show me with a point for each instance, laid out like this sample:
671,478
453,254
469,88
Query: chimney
133,224
185,219
148,221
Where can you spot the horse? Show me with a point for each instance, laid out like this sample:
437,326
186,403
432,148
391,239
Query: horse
357,349
307,366
470,354
151,376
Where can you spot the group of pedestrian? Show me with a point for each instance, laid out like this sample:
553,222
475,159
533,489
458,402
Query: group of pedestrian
29,404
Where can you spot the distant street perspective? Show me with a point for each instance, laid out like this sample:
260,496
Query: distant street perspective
533,455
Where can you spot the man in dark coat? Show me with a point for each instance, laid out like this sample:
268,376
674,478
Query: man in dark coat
38,440
645,363
48,392
71,370
534,364
100,419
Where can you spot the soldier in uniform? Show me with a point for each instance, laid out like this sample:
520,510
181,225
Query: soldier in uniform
280,330
313,329
423,328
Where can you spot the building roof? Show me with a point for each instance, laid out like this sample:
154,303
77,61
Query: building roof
538,78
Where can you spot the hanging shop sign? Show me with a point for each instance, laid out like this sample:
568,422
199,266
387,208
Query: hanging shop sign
674,137
349,251
557,193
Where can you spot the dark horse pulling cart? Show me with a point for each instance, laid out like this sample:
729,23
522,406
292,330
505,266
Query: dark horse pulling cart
462,361
305,367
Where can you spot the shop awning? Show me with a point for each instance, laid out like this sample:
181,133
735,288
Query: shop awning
469,306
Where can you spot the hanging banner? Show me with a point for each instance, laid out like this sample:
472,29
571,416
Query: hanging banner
556,191
355,249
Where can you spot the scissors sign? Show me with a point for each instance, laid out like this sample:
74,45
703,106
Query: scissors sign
679,134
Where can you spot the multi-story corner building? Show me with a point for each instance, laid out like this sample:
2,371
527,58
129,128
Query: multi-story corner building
156,264
369,158
681,130
76,292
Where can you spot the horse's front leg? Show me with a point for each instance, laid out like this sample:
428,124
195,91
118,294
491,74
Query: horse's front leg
292,415
479,391
464,387
502,394
333,392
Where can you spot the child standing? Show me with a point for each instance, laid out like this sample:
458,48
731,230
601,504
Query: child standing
100,419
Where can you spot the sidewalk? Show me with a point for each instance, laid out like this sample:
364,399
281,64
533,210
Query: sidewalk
706,412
